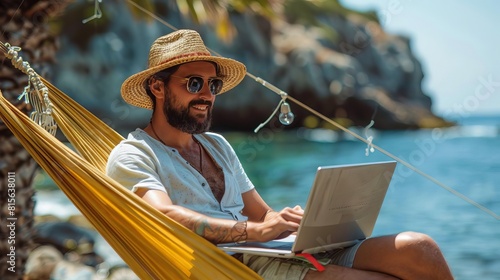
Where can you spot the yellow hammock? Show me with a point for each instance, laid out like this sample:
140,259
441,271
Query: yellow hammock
153,245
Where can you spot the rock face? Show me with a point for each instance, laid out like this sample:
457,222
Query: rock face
349,68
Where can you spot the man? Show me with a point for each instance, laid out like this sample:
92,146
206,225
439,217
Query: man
195,177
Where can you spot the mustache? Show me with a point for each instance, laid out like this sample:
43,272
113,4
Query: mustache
201,102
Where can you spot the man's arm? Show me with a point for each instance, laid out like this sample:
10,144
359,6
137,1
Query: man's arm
255,208
218,230
213,229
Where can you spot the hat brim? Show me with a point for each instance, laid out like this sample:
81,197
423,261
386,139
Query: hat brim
232,73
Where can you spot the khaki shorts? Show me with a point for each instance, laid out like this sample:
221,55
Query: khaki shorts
287,269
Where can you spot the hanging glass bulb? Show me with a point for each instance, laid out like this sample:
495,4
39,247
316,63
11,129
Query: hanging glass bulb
286,116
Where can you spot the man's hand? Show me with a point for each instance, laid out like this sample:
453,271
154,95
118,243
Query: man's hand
276,225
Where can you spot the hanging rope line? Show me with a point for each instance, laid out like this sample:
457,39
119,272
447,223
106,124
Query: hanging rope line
35,93
383,151
97,12
369,142
369,148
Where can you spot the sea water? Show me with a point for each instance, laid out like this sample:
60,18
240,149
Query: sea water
466,159
282,165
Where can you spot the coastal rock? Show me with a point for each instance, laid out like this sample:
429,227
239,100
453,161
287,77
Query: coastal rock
68,238
348,69
69,250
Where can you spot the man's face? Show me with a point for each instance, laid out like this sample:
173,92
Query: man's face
190,112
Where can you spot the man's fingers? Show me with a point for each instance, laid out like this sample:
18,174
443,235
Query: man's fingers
292,214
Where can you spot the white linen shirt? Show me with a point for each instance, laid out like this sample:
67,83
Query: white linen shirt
141,161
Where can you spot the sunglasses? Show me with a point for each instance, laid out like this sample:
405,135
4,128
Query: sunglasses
194,84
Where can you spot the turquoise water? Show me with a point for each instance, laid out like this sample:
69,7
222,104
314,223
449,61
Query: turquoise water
282,164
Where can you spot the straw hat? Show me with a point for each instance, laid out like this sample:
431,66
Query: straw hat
173,49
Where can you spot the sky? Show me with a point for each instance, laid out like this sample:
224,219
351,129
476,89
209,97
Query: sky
458,44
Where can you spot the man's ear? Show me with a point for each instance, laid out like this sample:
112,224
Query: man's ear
156,88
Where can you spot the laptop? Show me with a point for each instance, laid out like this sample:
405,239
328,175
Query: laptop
342,208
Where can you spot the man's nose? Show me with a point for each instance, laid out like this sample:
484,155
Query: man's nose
205,93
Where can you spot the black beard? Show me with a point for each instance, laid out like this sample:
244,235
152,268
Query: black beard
180,118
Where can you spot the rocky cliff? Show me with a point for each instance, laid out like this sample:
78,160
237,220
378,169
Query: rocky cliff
340,62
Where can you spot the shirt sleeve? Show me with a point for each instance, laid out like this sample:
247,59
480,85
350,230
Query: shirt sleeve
133,169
